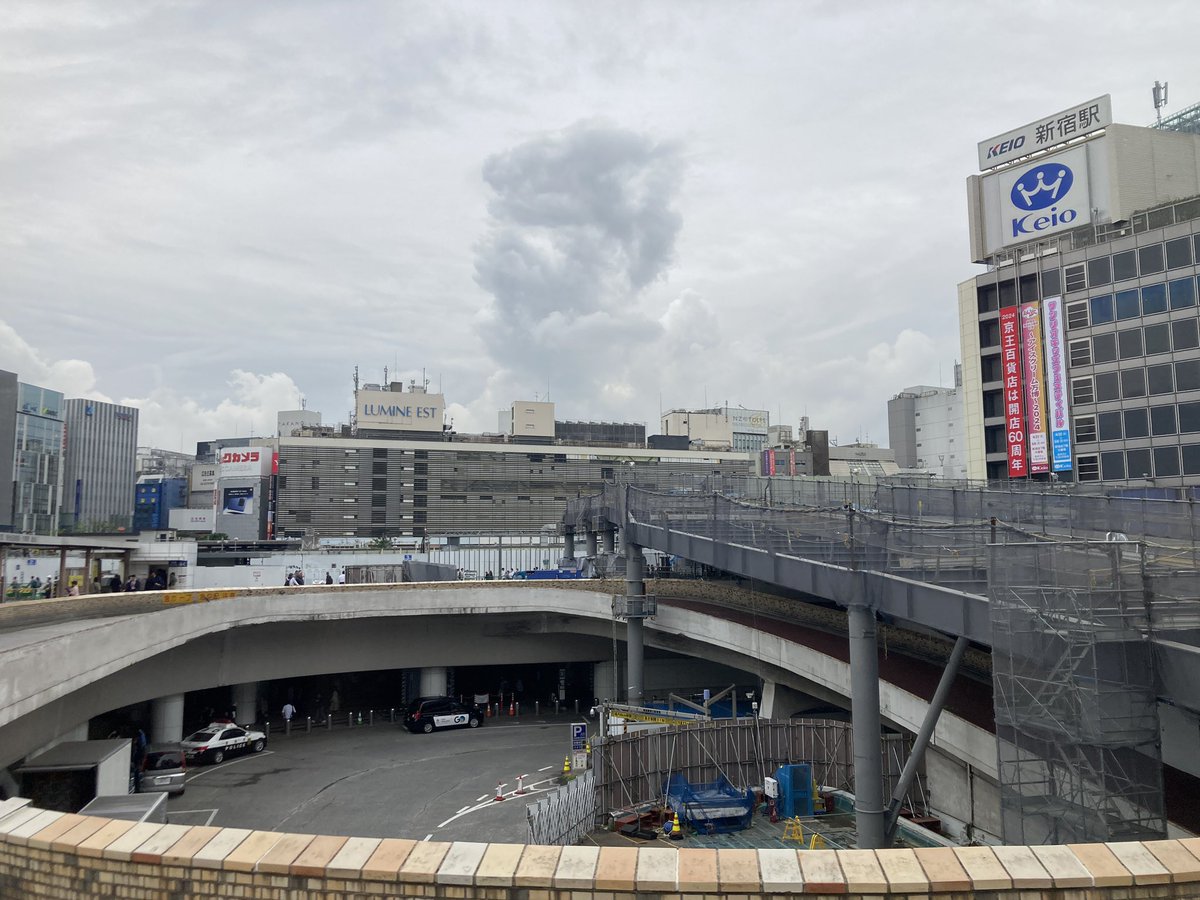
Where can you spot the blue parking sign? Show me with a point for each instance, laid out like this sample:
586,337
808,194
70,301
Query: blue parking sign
578,735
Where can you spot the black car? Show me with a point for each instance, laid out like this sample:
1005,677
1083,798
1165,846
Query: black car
427,713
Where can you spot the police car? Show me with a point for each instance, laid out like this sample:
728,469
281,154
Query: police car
427,713
220,739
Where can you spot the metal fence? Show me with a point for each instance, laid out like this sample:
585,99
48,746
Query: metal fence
631,769
563,816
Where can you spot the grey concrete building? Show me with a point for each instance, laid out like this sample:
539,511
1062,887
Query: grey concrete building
927,432
366,488
99,467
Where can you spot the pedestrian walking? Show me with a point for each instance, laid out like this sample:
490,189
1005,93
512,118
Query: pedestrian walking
288,712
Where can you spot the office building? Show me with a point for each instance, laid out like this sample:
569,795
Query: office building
37,460
99,467
168,463
722,427
1081,353
8,445
156,498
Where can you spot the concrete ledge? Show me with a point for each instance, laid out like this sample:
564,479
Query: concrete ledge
49,854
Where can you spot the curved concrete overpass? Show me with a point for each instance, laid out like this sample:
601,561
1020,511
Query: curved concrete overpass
70,659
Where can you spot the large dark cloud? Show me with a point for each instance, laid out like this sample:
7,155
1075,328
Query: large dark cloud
581,222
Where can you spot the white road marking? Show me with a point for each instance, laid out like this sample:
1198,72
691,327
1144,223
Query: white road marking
545,768
491,801
212,814
477,799
428,836
232,762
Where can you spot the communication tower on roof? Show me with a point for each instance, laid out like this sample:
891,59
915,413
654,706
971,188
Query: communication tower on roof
1159,92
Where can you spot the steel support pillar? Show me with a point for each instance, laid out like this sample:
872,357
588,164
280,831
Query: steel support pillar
864,711
166,719
569,546
635,592
609,536
591,544
923,737
60,590
88,576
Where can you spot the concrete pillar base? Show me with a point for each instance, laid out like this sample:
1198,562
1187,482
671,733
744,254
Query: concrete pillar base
166,719
433,681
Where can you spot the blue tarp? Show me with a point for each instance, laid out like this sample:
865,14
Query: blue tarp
709,808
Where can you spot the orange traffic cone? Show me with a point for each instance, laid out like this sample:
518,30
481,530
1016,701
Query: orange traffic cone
499,794
512,706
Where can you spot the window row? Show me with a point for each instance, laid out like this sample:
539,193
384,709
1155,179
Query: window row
1128,424
1131,343
1129,384
1149,300
1148,462
1147,260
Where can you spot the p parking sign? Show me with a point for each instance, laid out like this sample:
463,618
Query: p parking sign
578,736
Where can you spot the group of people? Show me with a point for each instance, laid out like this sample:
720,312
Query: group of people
296,577
156,580
504,574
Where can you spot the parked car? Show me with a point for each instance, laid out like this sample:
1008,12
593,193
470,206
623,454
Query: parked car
218,740
428,713
164,768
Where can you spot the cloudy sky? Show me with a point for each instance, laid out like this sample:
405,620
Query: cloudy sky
211,209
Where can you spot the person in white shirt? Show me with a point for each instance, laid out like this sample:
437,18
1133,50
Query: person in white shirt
342,577
288,711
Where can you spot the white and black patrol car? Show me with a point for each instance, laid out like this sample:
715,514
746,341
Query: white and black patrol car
427,713
220,739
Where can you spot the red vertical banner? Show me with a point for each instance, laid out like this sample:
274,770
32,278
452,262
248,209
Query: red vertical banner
1035,400
1014,402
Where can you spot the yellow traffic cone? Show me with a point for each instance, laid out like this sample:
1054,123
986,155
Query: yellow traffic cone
676,831
566,765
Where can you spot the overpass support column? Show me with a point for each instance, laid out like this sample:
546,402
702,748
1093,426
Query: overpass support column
569,546
864,696
591,543
609,536
166,719
245,701
433,681
635,595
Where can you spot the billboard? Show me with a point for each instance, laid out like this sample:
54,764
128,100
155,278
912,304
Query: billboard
400,411
1056,385
203,477
749,421
1044,198
191,519
1046,132
245,462
1035,402
238,501
1014,402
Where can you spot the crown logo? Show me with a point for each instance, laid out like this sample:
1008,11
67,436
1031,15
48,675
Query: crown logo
1042,187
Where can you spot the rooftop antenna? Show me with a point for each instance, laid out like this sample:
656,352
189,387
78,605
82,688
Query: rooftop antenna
385,381
303,402
356,379
1159,92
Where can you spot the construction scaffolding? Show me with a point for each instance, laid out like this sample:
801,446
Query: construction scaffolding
1075,693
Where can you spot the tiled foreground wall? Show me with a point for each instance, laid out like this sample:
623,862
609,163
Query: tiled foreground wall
49,854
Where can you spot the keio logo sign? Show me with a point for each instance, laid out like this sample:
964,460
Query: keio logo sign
1043,199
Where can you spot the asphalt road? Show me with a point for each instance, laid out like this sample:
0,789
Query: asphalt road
382,781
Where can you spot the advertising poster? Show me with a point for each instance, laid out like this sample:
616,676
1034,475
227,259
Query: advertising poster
1035,401
238,501
1014,401
1058,409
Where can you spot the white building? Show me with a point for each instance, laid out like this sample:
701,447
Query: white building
927,430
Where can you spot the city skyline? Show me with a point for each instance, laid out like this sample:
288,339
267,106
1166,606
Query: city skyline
213,211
